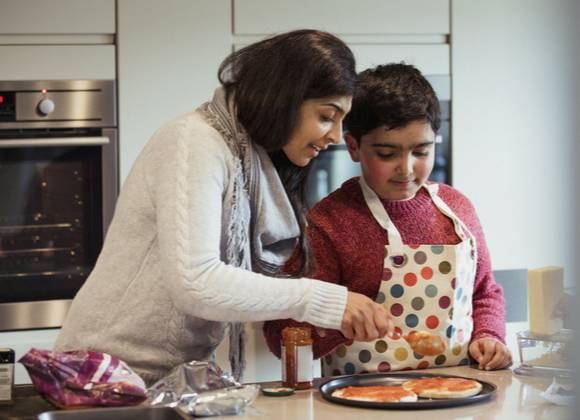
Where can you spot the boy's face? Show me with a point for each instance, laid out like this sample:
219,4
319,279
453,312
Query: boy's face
395,163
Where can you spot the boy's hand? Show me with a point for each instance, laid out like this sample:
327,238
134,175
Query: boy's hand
490,353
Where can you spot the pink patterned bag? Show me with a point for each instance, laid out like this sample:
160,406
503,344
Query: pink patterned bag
83,378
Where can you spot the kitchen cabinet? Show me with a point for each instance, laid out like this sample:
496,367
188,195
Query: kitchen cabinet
57,62
21,342
168,56
430,59
363,17
46,17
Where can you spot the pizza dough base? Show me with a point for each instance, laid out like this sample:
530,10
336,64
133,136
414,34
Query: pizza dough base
442,391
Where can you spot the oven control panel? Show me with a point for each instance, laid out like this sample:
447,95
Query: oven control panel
7,106
57,103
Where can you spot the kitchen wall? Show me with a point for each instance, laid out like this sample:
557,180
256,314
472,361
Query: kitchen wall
515,67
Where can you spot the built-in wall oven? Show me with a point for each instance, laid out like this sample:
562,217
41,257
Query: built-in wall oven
58,186
334,166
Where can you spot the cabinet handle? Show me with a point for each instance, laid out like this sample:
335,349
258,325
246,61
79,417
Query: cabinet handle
54,142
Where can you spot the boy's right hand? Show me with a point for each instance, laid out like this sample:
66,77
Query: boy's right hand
365,320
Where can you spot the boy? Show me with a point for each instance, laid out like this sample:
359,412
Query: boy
414,246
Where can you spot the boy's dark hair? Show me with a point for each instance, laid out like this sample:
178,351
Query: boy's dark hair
269,81
392,95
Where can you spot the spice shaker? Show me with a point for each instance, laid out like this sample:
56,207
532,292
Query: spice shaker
297,357
6,375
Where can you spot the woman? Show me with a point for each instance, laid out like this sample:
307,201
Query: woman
213,206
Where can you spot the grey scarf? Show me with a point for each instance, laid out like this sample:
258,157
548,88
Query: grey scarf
262,237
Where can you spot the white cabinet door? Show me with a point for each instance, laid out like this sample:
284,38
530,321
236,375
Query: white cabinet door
21,342
57,62
429,59
364,17
57,17
168,55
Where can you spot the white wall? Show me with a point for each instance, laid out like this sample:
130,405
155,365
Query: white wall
514,69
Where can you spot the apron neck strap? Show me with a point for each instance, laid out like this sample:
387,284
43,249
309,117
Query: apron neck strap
460,229
382,217
380,214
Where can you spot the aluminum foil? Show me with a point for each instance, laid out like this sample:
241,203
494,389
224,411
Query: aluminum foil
202,389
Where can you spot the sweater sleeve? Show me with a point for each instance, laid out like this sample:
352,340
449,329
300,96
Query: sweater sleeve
488,299
187,184
327,267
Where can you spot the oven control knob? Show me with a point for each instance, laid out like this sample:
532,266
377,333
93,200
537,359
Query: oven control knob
46,106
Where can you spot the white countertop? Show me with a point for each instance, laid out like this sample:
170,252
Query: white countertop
517,397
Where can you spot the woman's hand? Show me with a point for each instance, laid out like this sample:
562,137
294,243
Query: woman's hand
365,320
490,353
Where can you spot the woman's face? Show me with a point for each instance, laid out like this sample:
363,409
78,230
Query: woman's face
319,124
395,163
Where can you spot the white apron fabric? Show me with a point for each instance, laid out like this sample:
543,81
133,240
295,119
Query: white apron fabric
424,288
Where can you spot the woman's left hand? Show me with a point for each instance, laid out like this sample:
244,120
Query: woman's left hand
490,353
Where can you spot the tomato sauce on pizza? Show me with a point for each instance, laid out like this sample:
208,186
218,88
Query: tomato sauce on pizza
376,393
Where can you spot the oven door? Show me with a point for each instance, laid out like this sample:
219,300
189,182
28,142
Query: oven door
57,198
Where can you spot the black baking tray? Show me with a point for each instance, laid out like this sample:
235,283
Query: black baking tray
368,379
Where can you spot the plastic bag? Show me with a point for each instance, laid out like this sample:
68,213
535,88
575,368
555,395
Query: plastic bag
83,378
202,389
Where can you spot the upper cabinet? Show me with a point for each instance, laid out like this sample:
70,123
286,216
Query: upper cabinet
57,39
364,17
55,17
168,55
431,59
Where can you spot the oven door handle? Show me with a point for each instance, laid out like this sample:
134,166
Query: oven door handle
54,142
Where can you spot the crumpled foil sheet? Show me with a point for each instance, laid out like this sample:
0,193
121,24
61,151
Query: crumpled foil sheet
201,389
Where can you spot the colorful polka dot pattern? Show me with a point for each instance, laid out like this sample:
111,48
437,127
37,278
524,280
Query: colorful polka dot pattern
424,288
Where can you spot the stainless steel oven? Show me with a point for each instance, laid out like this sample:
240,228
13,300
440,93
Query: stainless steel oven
58,186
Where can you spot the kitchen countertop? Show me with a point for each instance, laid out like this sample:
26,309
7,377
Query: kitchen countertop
517,397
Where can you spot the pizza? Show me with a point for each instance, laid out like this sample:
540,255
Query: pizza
438,387
376,393
425,343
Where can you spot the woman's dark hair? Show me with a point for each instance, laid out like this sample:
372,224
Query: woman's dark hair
270,80
392,95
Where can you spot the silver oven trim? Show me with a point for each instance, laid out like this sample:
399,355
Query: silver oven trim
54,142
78,103
27,315
110,175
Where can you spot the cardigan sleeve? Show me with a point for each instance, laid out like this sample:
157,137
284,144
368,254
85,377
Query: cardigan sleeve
187,182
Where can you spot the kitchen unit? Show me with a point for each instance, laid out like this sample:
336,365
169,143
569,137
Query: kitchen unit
60,53
516,398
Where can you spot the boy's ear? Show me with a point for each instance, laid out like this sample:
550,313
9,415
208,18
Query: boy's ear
352,145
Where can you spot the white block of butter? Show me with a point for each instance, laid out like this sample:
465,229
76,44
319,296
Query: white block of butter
545,290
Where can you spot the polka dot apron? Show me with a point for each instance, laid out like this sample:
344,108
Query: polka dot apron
424,288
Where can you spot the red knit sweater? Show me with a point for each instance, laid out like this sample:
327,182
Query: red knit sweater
348,248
